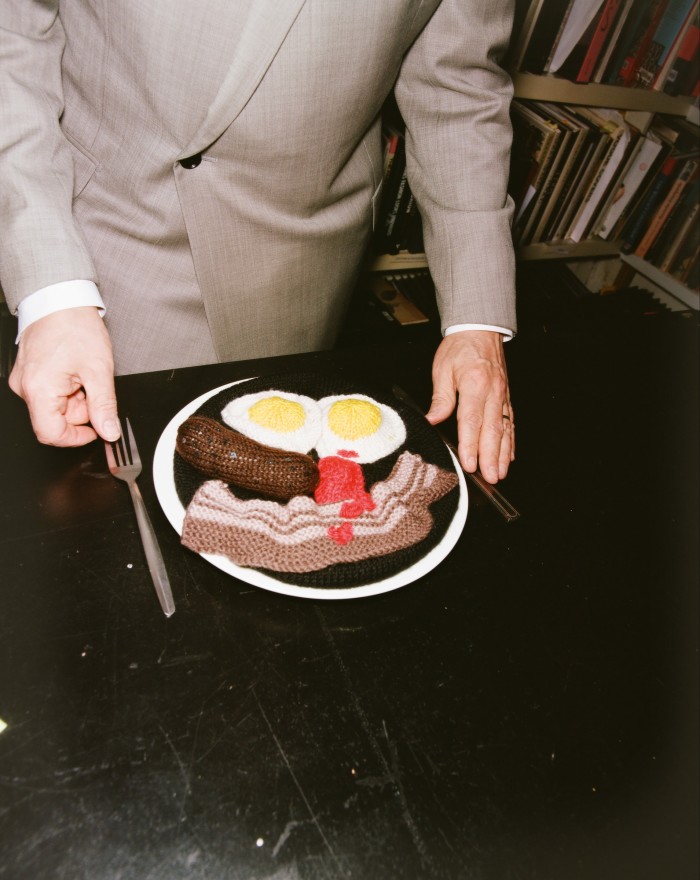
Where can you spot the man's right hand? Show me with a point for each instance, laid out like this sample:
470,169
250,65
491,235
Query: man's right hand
65,373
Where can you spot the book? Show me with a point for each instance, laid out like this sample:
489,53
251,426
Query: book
393,187
576,137
665,67
613,42
394,212
684,70
685,217
610,163
674,191
600,141
543,34
691,277
687,256
665,33
579,18
669,231
395,302
640,165
637,43
391,144
534,140
638,222
681,134
602,33
543,199
555,45
524,21
567,200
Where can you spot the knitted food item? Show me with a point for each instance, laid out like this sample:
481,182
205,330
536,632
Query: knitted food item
357,426
222,454
279,419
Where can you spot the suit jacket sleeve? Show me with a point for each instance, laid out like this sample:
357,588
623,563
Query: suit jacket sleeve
40,243
455,99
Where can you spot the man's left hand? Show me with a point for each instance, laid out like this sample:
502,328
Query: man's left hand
469,370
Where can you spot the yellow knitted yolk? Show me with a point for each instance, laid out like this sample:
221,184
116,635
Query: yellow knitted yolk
352,419
277,414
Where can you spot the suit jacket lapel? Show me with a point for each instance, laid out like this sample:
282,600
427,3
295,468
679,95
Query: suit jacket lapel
267,25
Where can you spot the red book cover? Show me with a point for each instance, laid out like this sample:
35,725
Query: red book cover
600,37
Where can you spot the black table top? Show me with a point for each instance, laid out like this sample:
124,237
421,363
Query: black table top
526,710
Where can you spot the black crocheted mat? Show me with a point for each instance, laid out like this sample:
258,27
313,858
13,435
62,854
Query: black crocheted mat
421,438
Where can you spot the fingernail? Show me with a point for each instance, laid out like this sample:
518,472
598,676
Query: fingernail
112,429
492,475
471,464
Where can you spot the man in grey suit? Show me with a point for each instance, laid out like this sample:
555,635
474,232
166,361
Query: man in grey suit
206,176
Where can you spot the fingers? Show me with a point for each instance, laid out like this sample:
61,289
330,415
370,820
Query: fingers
470,367
57,418
64,373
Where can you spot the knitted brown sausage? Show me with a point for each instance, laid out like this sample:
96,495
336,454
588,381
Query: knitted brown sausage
223,454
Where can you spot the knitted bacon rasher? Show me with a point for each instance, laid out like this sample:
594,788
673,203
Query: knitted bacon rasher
304,536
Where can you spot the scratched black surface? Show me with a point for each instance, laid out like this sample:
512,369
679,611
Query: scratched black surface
527,710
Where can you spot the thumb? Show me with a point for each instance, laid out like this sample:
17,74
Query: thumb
443,402
101,402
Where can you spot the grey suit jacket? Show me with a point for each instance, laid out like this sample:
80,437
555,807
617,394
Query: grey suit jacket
254,250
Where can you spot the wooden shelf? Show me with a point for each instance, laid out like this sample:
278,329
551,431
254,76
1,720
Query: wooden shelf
556,90
571,250
405,261
402,261
663,280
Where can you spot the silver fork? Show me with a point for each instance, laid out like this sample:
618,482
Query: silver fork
124,463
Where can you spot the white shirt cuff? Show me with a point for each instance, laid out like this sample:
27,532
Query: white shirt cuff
457,328
54,298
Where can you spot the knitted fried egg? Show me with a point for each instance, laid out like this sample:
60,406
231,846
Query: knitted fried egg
276,418
357,427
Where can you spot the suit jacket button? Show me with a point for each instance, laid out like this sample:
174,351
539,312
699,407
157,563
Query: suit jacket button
191,161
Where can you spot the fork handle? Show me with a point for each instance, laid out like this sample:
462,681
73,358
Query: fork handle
154,557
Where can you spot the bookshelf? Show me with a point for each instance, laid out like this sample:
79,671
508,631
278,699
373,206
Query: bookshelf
543,87
636,105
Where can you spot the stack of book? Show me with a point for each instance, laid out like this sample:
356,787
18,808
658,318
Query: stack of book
399,227
580,173
661,222
565,161
648,44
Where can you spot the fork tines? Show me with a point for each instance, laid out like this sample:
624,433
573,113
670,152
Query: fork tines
124,449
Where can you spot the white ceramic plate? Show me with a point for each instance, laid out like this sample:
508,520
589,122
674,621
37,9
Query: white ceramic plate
164,480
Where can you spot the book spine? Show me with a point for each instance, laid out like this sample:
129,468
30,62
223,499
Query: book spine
613,42
689,220
638,50
686,62
639,221
601,182
605,25
665,209
667,30
631,183
675,219
543,35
